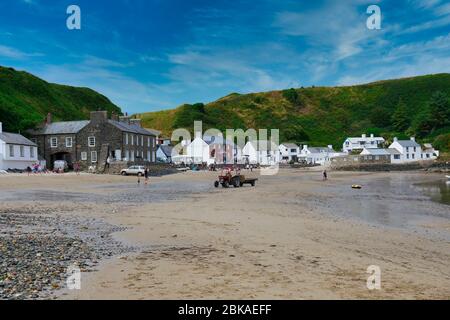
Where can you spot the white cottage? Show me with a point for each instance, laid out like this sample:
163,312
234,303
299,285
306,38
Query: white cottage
289,152
261,152
317,155
359,143
198,151
16,151
411,151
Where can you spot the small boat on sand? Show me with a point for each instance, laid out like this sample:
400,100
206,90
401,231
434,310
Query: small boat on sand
356,186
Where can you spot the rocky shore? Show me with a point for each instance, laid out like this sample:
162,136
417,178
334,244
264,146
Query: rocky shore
36,249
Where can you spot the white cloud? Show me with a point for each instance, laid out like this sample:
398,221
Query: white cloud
13,53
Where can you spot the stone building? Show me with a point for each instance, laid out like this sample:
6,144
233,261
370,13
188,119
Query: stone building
92,142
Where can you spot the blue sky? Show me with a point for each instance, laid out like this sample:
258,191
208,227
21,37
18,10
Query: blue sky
148,55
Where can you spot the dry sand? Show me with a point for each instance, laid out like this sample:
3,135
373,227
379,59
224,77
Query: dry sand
284,239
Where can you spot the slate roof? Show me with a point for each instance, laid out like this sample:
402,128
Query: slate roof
14,138
73,127
64,127
376,152
320,149
167,150
130,127
408,143
290,145
356,140
154,132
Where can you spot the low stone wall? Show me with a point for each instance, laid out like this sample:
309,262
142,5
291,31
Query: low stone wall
425,165
156,169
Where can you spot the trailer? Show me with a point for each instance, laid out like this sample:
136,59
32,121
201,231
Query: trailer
229,178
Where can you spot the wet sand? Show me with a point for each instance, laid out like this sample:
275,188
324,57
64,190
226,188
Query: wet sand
292,237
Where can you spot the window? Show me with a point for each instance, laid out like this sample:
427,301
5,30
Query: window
11,151
91,142
126,138
413,156
132,140
407,149
69,142
293,150
415,149
407,156
148,142
142,141
93,156
54,142
22,151
377,157
428,155
397,157
84,156
31,152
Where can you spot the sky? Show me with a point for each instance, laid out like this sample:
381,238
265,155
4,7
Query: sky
149,55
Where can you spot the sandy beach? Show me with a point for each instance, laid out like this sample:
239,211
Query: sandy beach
293,236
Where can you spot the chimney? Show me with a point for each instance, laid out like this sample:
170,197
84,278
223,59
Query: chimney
125,119
114,116
372,136
48,120
136,122
413,139
1,127
99,116
330,146
395,139
364,136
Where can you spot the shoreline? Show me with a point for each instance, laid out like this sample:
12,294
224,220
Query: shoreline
274,241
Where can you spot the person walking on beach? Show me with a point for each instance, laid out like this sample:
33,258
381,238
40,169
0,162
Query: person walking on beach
146,175
29,170
325,175
76,167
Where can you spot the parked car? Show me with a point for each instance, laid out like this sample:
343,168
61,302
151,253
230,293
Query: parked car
60,165
133,170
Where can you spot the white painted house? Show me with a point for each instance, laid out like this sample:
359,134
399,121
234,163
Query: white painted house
16,151
261,152
359,143
289,152
411,151
198,151
317,155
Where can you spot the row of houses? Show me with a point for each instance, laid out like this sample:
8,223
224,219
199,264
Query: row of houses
211,150
89,143
101,140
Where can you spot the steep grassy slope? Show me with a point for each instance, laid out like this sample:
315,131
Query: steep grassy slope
25,100
324,115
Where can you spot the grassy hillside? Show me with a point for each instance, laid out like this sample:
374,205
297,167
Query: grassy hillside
326,115
25,100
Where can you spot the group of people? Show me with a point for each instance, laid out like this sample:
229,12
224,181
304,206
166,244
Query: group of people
36,168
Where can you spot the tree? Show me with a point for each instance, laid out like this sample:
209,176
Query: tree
400,118
439,110
380,117
423,124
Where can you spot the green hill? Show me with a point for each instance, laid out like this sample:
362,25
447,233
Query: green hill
327,115
25,100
